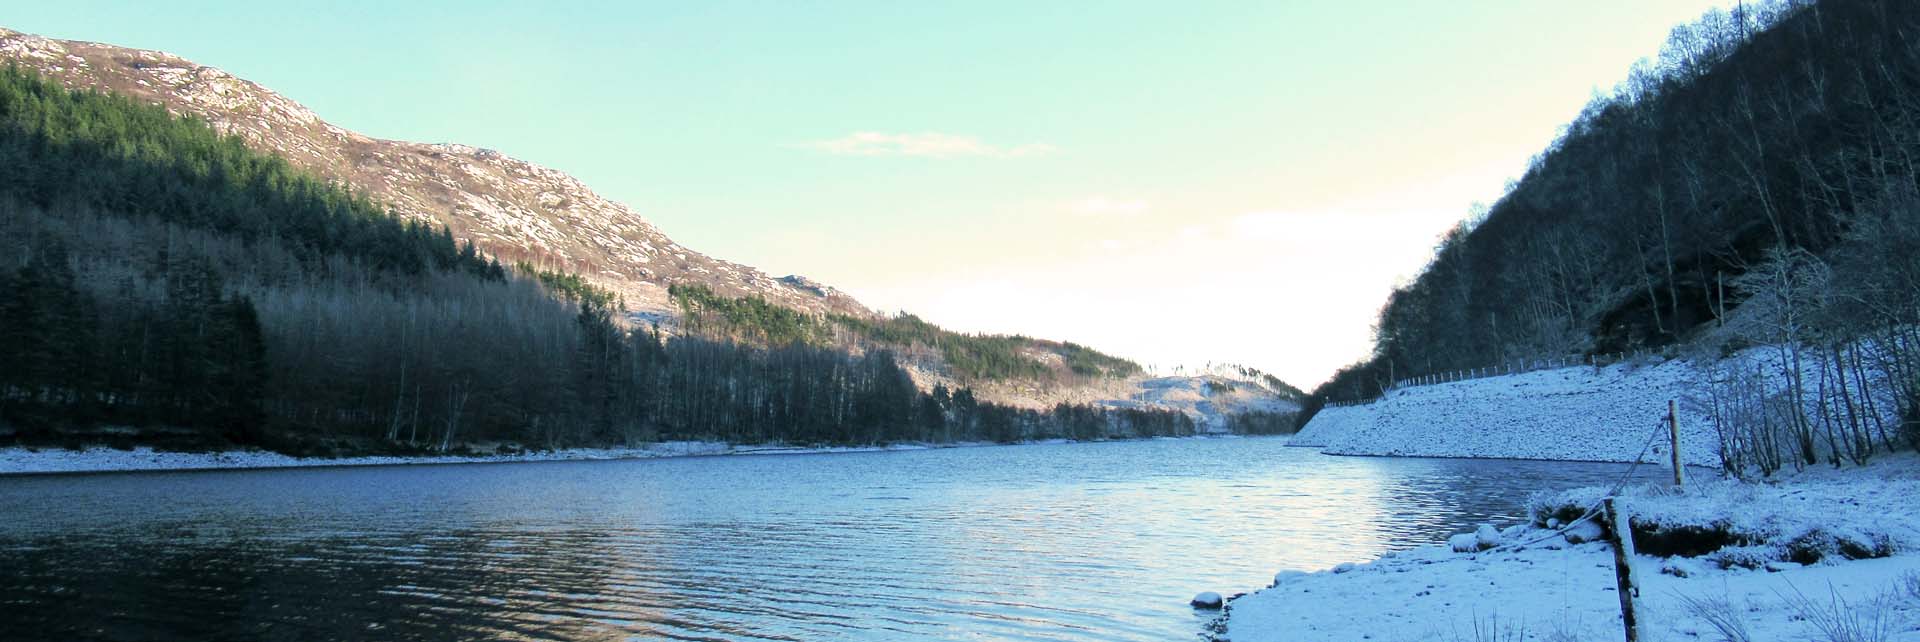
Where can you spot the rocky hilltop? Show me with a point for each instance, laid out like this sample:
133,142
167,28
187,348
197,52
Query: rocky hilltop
510,208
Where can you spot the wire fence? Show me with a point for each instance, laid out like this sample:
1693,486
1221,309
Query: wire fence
1517,366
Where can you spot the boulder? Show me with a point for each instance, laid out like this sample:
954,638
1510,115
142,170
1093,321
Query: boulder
1464,543
1207,600
1487,536
1583,532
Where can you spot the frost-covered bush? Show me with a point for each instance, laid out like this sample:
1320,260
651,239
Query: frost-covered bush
1819,543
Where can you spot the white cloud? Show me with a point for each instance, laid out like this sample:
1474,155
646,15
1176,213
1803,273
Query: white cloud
925,145
1108,206
1290,291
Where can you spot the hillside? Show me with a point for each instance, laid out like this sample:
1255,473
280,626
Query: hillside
1017,371
519,212
1755,183
510,208
169,285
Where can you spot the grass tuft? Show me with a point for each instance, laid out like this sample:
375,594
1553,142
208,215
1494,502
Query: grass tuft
1837,620
1720,614
1490,630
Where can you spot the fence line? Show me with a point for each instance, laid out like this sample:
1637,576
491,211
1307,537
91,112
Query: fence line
1517,366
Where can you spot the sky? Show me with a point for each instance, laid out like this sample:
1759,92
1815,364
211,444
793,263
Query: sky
1180,183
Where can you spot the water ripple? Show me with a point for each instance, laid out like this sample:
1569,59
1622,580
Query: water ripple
1057,542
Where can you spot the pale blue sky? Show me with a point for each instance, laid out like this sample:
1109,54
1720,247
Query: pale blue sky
1177,182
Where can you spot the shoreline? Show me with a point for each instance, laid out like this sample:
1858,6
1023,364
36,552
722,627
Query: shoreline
20,461
95,460
1510,580
1663,464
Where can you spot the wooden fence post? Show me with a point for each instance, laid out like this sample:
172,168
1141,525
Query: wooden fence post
1673,431
1624,580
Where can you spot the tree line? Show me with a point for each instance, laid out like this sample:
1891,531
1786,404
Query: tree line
164,278
970,357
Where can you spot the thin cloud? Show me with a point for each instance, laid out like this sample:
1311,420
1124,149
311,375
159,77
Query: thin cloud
923,145
1107,206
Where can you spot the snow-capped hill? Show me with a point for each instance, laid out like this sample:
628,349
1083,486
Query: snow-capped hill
510,208
1240,374
1210,400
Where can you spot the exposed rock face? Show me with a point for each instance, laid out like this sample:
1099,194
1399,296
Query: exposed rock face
510,208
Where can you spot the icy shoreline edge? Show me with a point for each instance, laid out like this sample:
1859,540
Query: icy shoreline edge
1823,543
20,461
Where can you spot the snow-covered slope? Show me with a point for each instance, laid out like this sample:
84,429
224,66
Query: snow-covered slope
1610,413
1582,413
1330,423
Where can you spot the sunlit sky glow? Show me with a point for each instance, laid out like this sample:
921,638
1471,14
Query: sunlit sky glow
1175,182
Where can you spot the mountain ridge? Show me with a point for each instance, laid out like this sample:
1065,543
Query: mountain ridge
519,211
510,208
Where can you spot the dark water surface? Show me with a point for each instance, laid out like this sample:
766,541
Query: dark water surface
1102,541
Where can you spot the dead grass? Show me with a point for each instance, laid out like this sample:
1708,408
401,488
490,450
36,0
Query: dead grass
1838,620
1719,613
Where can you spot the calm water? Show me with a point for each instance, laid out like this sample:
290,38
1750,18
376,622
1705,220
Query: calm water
1047,542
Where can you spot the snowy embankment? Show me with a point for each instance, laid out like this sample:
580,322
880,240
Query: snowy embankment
17,461
1751,562
1581,413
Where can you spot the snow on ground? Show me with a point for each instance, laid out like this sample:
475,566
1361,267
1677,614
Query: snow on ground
1579,413
1582,413
16,460
1540,586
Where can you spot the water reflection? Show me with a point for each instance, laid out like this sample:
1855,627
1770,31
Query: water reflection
1068,542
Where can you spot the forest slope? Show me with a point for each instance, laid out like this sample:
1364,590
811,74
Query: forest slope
519,212
166,283
1767,155
510,208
